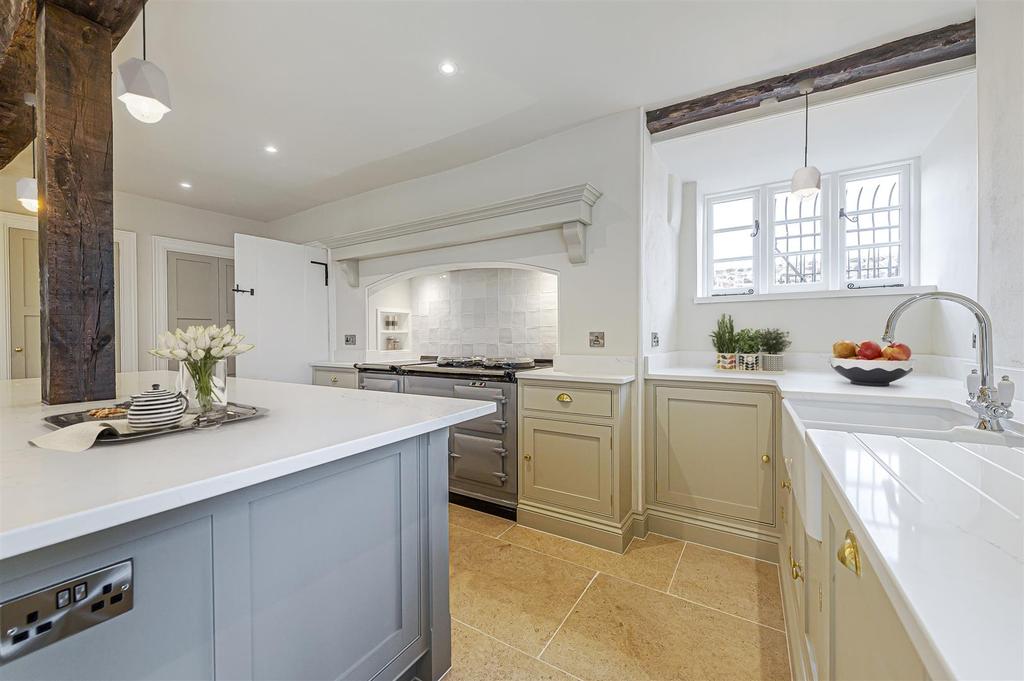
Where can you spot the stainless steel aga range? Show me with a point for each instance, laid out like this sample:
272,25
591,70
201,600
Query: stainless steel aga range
483,453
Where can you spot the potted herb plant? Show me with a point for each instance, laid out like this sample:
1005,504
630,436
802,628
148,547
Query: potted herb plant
724,340
748,349
774,342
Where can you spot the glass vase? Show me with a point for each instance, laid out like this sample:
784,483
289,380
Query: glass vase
205,384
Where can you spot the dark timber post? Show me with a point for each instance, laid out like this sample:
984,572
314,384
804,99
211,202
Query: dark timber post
76,226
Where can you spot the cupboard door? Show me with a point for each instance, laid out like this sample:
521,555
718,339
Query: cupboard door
710,451
867,641
568,464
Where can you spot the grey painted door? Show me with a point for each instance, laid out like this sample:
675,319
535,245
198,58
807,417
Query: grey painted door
199,293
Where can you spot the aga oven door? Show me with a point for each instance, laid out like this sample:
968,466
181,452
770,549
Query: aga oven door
479,459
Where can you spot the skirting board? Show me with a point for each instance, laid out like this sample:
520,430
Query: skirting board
742,542
607,539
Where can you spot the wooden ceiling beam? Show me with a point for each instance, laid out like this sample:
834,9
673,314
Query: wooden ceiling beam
950,42
18,58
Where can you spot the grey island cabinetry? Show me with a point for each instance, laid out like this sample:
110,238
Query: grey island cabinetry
326,560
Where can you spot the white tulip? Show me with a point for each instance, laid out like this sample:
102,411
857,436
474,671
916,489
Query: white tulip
226,332
244,347
198,354
228,350
216,342
179,354
203,341
211,330
180,344
217,351
179,334
236,339
190,345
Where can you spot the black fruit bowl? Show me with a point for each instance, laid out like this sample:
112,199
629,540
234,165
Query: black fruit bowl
875,372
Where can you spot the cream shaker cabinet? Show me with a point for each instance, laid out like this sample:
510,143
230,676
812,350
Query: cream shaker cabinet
335,377
568,464
714,452
866,640
574,457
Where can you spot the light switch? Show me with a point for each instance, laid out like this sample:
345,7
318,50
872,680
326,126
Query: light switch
63,598
81,591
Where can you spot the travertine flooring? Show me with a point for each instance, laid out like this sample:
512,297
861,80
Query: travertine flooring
530,606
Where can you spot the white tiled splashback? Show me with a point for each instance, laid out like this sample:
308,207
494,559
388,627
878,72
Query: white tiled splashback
491,312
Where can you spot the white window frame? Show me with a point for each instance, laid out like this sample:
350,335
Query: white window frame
755,194
909,222
833,281
768,242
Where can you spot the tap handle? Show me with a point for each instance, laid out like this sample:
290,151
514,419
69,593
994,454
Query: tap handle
1006,388
973,382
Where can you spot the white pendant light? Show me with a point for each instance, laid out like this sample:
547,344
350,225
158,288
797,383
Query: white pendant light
27,188
807,180
142,86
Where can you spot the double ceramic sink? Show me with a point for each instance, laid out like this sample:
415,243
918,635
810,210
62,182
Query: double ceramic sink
949,423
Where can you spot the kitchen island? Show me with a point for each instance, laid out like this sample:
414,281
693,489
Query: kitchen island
309,543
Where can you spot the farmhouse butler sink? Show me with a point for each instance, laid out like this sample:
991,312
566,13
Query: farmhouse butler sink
931,422
947,423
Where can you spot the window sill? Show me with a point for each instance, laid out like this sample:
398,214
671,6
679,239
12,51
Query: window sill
805,295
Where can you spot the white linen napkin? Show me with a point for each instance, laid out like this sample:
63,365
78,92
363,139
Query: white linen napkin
79,437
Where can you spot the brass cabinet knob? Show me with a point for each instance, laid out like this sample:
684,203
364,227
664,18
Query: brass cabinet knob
765,458
18,349
849,553
787,484
527,457
564,397
334,379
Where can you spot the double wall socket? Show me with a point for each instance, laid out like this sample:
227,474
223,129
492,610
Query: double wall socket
350,339
35,620
597,339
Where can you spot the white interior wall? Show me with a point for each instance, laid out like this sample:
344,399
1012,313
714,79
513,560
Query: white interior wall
844,134
949,224
152,217
601,294
1001,174
662,211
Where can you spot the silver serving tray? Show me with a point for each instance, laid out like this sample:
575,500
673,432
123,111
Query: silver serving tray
235,413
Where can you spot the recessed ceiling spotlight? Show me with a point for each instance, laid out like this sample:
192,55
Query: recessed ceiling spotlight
185,185
270,149
448,68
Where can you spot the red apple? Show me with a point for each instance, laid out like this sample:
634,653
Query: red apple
896,352
869,350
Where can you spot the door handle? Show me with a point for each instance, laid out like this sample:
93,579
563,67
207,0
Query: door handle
500,451
500,423
500,476
849,553
18,349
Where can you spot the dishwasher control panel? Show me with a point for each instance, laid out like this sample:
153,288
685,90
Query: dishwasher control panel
35,620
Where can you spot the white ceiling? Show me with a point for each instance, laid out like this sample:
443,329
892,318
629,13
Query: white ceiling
868,129
351,94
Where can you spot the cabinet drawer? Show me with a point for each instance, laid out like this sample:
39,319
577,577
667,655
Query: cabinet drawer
585,402
334,378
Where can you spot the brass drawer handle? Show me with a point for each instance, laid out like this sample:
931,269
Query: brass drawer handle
334,379
787,484
765,458
564,397
18,349
849,553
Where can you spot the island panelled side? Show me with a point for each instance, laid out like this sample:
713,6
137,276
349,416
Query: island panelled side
338,571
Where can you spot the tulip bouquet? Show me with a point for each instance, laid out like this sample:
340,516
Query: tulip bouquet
201,350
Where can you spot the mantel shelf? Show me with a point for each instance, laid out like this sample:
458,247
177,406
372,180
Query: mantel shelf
568,209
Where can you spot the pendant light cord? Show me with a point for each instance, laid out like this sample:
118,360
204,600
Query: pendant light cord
807,114
143,32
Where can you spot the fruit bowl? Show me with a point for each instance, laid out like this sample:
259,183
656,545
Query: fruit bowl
877,372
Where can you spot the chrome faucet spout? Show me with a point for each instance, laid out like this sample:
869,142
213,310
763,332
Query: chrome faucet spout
985,402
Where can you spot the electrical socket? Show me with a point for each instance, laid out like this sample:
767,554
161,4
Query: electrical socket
597,339
655,341
350,339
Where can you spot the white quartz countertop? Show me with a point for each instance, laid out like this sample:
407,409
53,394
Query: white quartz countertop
945,519
551,374
914,388
326,364
47,497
